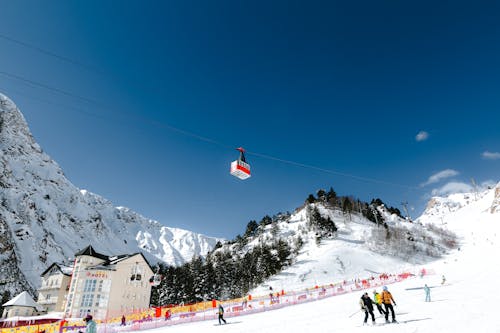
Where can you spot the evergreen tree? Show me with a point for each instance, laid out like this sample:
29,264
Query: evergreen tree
275,229
377,202
321,195
212,288
185,293
284,253
240,242
248,277
331,197
322,226
197,272
311,199
5,298
298,243
252,228
346,206
266,220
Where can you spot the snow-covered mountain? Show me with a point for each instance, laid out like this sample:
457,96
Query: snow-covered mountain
465,302
44,218
359,248
354,253
473,217
448,210
348,255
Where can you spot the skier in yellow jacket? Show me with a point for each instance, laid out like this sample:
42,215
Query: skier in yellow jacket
388,301
378,302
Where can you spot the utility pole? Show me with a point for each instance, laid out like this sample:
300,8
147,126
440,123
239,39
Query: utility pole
474,185
405,206
374,211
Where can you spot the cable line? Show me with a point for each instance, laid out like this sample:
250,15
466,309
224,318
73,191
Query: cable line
50,53
42,85
338,173
204,138
46,101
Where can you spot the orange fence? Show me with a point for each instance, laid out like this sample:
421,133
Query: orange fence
156,317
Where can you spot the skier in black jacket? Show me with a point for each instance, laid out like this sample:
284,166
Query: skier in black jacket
221,314
367,305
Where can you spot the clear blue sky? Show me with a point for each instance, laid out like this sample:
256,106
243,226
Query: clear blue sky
345,86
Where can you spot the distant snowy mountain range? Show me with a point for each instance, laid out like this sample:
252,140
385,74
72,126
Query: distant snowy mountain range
44,218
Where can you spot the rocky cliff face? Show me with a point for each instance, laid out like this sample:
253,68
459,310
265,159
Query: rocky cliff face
44,218
495,205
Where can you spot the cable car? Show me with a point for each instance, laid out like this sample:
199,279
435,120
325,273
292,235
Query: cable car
240,168
155,280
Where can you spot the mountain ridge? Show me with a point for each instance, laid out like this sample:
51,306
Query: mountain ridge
44,218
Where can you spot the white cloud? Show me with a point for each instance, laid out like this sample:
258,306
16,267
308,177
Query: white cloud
439,176
451,188
490,156
422,136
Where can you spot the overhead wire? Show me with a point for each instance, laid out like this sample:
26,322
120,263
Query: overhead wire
45,86
334,172
171,127
49,102
201,137
50,53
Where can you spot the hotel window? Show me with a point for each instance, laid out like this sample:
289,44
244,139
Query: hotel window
87,300
84,312
89,286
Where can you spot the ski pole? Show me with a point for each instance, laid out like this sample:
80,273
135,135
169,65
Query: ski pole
354,313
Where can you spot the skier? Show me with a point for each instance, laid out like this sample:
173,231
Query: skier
91,325
168,314
221,314
378,302
443,280
367,305
124,322
388,301
427,293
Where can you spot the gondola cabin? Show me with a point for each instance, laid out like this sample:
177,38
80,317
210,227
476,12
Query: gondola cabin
155,280
240,168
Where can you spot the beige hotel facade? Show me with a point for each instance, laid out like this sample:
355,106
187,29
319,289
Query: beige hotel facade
100,285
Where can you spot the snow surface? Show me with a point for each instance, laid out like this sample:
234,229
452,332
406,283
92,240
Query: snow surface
465,303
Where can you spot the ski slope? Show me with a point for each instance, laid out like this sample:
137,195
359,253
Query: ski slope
465,303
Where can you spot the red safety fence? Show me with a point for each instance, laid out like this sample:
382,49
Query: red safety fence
171,315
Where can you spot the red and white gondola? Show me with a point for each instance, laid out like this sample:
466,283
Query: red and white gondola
240,168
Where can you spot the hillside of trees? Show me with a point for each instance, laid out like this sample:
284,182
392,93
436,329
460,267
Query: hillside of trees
232,269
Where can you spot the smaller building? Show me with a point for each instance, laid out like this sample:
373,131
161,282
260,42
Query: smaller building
21,305
54,288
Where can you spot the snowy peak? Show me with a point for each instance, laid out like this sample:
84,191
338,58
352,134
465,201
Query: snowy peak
464,213
15,136
441,206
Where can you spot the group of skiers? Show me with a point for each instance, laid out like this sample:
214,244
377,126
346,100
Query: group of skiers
385,298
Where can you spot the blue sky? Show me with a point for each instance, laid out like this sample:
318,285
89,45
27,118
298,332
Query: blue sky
143,102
